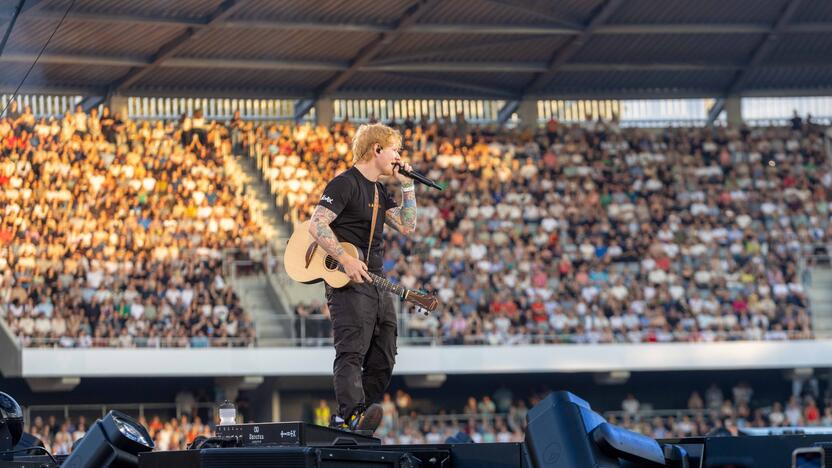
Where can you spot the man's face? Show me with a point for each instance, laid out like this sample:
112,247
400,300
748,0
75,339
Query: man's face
389,154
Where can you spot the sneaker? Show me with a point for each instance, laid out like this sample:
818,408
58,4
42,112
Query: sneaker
337,422
368,420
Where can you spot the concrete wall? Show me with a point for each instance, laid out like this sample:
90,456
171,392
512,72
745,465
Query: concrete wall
413,360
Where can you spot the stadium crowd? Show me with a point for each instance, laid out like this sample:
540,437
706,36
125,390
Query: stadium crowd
113,232
710,411
592,233
501,417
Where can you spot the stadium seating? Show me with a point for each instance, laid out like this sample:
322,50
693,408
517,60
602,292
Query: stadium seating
113,233
581,234
592,233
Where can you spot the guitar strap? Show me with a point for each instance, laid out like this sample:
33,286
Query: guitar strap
373,223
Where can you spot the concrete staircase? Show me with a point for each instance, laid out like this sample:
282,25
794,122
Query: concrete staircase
261,199
271,297
820,299
274,327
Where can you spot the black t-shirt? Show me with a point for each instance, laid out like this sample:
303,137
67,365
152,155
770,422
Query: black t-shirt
350,196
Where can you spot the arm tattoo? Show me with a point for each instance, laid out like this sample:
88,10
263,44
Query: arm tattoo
320,231
392,218
403,218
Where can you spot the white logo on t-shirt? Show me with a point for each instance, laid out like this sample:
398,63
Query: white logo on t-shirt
326,199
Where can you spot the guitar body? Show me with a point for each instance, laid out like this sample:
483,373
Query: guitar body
319,269
307,262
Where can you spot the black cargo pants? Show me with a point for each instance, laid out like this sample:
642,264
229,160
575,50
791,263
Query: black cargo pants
364,330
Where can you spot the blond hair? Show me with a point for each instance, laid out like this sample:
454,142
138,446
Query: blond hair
368,135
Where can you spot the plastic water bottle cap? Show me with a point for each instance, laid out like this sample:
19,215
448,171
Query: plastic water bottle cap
228,413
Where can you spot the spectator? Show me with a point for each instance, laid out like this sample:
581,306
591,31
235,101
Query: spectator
630,404
322,413
713,397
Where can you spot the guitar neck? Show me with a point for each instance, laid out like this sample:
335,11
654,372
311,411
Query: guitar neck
396,289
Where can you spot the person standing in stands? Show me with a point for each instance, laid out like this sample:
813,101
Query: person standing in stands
363,318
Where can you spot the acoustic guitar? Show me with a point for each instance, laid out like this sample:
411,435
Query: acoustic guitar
306,262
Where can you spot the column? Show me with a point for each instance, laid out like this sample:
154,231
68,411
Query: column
118,105
324,111
733,110
527,112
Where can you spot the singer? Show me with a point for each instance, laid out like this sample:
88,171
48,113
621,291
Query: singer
363,318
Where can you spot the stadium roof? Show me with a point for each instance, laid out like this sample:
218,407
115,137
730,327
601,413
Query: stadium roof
503,49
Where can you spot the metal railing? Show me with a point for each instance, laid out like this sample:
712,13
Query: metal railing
216,109
137,410
361,110
139,342
646,414
43,105
208,413
316,331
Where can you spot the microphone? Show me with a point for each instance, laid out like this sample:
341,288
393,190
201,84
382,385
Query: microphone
417,177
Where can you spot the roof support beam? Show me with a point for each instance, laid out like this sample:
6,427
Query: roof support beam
763,48
9,88
484,89
562,55
167,50
540,8
443,94
91,101
287,65
693,28
372,49
235,64
461,67
307,26
715,110
17,10
456,48
30,8
71,59
302,107
553,28
92,17
509,108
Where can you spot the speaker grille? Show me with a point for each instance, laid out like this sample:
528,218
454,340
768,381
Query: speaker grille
827,453
289,457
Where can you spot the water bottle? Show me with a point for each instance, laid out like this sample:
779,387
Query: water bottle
228,413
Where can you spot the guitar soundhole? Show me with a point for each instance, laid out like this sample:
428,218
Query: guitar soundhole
330,263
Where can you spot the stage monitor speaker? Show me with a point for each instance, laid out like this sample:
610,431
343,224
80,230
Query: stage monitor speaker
563,431
557,434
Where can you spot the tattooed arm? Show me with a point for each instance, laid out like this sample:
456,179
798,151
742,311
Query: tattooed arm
320,231
403,218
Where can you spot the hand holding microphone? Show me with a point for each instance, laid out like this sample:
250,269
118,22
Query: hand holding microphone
399,171
403,170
